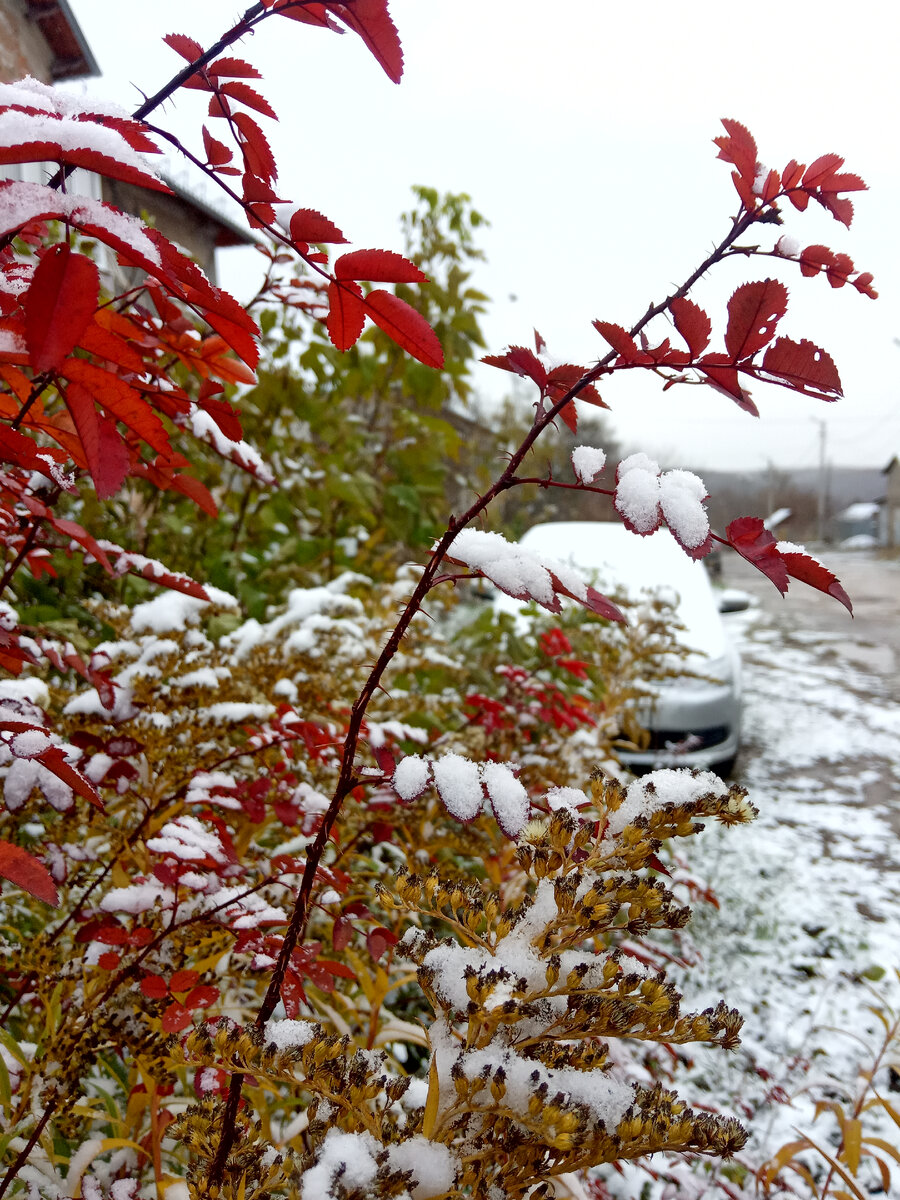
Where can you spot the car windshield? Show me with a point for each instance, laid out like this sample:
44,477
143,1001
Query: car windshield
620,560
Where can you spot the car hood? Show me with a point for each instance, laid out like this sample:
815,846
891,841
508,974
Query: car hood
618,560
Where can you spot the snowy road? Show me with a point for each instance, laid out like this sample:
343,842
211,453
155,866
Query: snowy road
811,891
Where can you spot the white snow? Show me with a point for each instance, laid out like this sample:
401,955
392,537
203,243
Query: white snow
174,610
587,463
26,774
188,839
681,496
518,572
638,492
788,246
137,898
348,1157
19,128
286,1034
30,743
568,798
204,427
458,782
508,797
661,789
21,203
411,776
433,1165
32,93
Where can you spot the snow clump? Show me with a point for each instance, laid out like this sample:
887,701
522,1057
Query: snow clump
587,463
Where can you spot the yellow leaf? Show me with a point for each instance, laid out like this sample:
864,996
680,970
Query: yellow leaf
890,1110
833,1162
883,1145
852,1136
431,1104
781,1158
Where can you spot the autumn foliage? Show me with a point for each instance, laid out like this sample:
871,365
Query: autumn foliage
241,830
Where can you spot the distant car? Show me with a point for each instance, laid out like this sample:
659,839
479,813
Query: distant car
692,722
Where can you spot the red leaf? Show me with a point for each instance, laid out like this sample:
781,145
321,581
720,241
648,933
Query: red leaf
818,172
184,45
122,401
242,341
249,96
601,606
181,981
405,326
346,314
336,968
232,68
803,367
377,266
341,933
80,156
520,361
621,342
753,312
105,452
201,997
692,323
109,960
569,414
196,491
80,535
175,1018
54,760
103,343
24,870
724,378
809,570
372,21
59,304
792,174
738,147
255,148
292,993
839,206
751,539
217,153
378,940
814,258
154,987
307,225
224,414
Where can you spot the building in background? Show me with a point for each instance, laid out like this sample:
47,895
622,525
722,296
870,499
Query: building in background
43,39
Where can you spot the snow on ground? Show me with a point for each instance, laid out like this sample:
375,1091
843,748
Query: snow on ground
810,893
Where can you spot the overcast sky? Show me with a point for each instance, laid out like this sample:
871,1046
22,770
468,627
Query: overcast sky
583,132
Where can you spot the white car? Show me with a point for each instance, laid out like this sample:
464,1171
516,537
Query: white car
692,722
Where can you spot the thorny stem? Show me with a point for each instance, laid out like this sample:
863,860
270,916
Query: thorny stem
347,778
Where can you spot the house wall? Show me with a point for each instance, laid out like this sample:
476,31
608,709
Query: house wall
180,224
23,50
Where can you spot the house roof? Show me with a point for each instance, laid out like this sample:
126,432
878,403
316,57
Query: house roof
72,55
228,231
